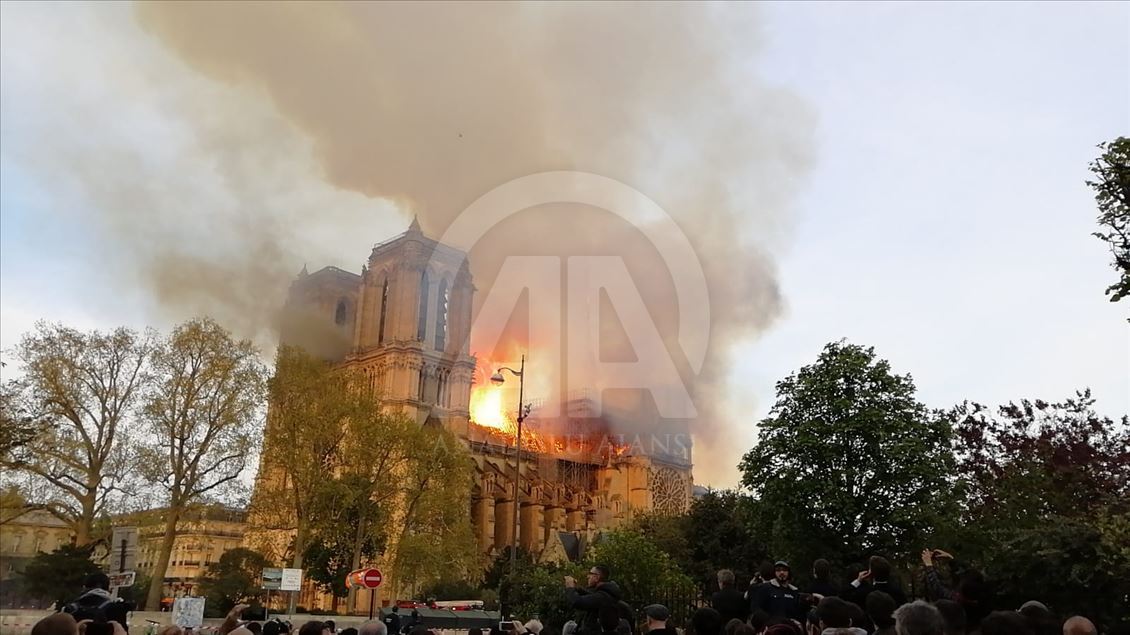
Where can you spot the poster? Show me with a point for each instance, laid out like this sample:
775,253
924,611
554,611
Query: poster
291,580
188,612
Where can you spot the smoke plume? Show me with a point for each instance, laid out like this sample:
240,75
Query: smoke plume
313,116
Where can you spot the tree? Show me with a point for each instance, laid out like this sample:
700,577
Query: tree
1047,505
83,388
18,425
233,579
201,411
638,565
849,462
58,576
1112,195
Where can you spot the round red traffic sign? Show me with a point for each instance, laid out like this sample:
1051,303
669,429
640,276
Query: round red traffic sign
372,578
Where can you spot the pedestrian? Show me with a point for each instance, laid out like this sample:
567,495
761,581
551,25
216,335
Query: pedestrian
778,597
657,616
727,600
600,592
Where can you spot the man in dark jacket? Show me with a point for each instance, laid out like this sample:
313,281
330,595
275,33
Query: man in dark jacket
96,603
392,621
727,600
657,616
600,592
778,597
877,577
822,584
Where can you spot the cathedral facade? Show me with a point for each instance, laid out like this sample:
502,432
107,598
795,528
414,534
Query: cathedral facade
404,323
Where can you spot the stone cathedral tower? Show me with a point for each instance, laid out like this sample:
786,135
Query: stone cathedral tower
404,323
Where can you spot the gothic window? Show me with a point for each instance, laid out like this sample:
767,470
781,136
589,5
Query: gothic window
384,309
420,389
339,315
668,491
422,323
441,316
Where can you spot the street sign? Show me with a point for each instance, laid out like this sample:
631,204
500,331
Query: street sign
366,578
272,579
123,550
291,580
125,578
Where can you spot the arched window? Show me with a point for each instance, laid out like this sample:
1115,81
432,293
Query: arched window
384,309
339,314
422,323
441,316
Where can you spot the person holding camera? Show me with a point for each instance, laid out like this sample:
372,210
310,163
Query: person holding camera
600,593
97,605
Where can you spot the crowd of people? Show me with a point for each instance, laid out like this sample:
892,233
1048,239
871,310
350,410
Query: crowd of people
873,603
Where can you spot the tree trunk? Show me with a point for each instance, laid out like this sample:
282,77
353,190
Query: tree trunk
84,524
299,548
357,540
157,582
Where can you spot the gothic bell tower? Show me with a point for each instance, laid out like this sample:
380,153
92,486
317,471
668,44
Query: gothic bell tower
413,328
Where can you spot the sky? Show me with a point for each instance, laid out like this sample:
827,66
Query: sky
944,220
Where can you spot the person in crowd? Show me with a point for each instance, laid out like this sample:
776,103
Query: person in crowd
231,620
763,575
1005,623
349,631
778,597
272,627
608,619
657,616
373,627
759,621
392,620
918,618
972,592
331,625
314,627
822,584
877,577
600,592
783,626
881,612
257,629
97,604
471,631
56,624
731,626
1079,625
1039,617
569,628
534,627
953,616
706,621
834,614
727,600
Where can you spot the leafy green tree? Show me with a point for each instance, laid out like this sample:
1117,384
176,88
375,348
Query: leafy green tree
638,565
202,411
58,576
83,388
1047,506
233,579
849,462
1112,195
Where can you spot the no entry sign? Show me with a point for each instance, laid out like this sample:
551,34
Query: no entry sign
367,578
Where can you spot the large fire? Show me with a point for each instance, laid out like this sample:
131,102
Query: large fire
492,411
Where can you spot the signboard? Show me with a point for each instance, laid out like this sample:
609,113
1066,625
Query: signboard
122,550
291,580
366,578
272,579
282,579
126,578
188,612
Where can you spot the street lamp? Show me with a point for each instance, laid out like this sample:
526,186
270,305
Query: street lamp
523,410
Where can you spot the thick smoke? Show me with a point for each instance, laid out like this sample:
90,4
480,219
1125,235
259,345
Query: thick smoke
431,105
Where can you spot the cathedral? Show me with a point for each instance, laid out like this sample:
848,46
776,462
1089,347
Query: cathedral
404,323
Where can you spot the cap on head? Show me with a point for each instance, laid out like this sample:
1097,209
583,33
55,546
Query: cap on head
781,564
657,612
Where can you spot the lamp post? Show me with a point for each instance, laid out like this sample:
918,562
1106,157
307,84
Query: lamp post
523,410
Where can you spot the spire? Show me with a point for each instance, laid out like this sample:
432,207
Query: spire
415,226
304,272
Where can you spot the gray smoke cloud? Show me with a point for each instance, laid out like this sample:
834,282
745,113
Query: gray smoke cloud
312,114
